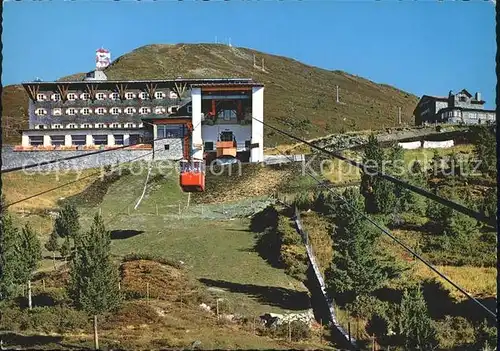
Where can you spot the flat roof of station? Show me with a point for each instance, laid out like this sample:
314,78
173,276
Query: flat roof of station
191,81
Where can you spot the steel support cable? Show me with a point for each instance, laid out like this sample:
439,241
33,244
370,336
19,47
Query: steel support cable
13,169
118,213
145,186
402,244
69,183
372,171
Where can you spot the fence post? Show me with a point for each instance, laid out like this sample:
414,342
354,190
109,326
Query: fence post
96,335
349,330
289,332
217,308
321,330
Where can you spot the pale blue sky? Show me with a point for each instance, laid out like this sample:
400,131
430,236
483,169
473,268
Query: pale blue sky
423,47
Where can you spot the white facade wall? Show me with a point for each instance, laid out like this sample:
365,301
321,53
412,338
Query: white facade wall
438,144
257,154
197,140
89,140
111,140
25,140
411,145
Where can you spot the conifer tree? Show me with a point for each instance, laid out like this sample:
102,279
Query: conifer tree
2,205
410,200
67,223
490,203
379,193
29,253
52,245
485,149
8,258
355,270
65,248
415,325
94,278
436,165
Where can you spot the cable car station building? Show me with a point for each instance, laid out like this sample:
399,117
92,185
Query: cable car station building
187,118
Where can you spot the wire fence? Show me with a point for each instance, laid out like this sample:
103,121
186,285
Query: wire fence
317,272
182,210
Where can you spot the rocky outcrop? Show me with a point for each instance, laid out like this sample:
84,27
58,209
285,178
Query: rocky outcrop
275,319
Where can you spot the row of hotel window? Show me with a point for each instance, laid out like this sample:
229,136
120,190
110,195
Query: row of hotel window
59,140
472,115
102,96
113,110
89,125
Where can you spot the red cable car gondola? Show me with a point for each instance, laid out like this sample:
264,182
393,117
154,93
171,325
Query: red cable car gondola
192,178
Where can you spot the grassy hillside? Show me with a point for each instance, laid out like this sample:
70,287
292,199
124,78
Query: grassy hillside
298,97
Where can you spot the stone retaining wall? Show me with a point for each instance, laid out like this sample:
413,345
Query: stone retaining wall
12,159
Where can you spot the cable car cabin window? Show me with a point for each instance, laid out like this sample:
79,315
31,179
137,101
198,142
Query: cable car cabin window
79,139
195,167
226,136
100,139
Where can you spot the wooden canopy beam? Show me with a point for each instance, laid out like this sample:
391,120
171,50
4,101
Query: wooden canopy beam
63,91
180,89
151,89
121,90
33,91
92,90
